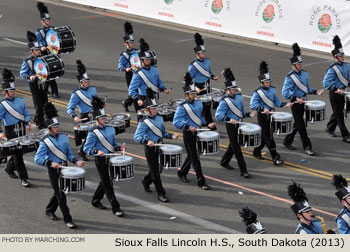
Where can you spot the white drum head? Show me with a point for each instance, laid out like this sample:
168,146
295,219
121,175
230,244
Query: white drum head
73,172
250,128
208,135
282,116
171,149
315,104
121,160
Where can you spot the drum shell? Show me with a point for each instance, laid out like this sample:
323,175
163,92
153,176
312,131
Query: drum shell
54,66
68,184
252,140
118,125
315,114
7,150
170,159
209,145
29,146
167,115
174,103
122,116
216,101
66,37
121,171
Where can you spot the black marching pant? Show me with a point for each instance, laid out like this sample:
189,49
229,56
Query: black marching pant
16,161
153,166
299,126
266,137
53,85
137,107
233,148
58,198
337,117
83,116
128,77
39,94
106,185
190,141
206,107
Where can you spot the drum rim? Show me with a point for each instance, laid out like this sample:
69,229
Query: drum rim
216,136
320,106
76,175
127,161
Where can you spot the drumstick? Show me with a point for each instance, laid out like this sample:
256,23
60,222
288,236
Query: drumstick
68,167
109,154
203,129
84,119
123,150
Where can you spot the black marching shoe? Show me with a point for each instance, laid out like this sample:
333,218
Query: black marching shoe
162,198
184,179
331,133
125,105
70,224
119,213
52,216
278,161
25,183
310,152
99,206
12,175
228,167
205,187
245,175
289,146
146,187
346,139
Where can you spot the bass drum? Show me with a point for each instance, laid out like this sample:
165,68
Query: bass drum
48,67
60,40
135,61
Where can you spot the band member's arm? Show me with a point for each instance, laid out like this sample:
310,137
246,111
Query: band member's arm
165,134
192,70
73,103
69,153
2,114
40,39
26,72
278,103
255,103
288,89
115,145
90,144
26,114
328,80
179,117
343,227
220,114
123,63
160,83
134,86
140,135
42,154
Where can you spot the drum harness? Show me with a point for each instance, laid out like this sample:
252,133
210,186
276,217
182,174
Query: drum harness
83,98
18,128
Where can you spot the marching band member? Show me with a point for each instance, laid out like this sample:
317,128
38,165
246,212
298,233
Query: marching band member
81,97
295,88
41,37
146,77
101,141
189,118
337,78
303,211
250,220
200,70
150,131
54,151
124,64
264,100
231,110
39,93
16,120
343,194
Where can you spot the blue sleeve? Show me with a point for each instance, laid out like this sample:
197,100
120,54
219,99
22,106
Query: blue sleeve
25,71
160,83
342,226
26,113
69,152
140,135
73,103
123,63
40,38
255,102
178,121
209,64
328,80
42,154
134,86
310,90
165,133
242,106
277,101
192,70
220,114
114,143
2,112
89,147
288,88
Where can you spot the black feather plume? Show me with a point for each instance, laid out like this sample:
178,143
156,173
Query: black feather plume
339,181
198,39
228,75
42,8
336,42
31,36
128,28
97,103
150,93
8,76
188,79
296,193
50,110
263,68
249,216
81,68
144,47
296,50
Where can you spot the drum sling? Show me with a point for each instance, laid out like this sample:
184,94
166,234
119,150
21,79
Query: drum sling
103,140
83,98
340,76
57,152
233,108
148,82
192,115
153,128
299,84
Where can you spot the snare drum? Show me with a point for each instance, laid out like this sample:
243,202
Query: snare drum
206,101
60,40
174,103
166,112
208,142
135,61
27,144
118,125
81,131
141,114
48,67
170,156
121,168
122,116
282,123
8,147
315,110
216,101
249,135
72,179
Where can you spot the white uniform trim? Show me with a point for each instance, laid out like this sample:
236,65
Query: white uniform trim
126,55
103,140
148,82
346,218
12,111
340,76
153,128
233,108
265,99
57,152
299,84
84,98
192,115
201,69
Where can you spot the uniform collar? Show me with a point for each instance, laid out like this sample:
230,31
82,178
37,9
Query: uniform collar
146,68
56,137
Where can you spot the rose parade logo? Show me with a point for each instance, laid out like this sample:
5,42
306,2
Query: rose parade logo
270,10
41,67
268,13
326,18
168,1
325,23
217,6
53,38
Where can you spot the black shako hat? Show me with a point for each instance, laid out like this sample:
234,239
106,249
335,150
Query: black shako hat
128,30
8,83
151,101
44,12
51,116
98,110
296,59
199,43
230,81
189,85
297,194
32,42
343,190
82,74
338,50
250,220
146,53
264,74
